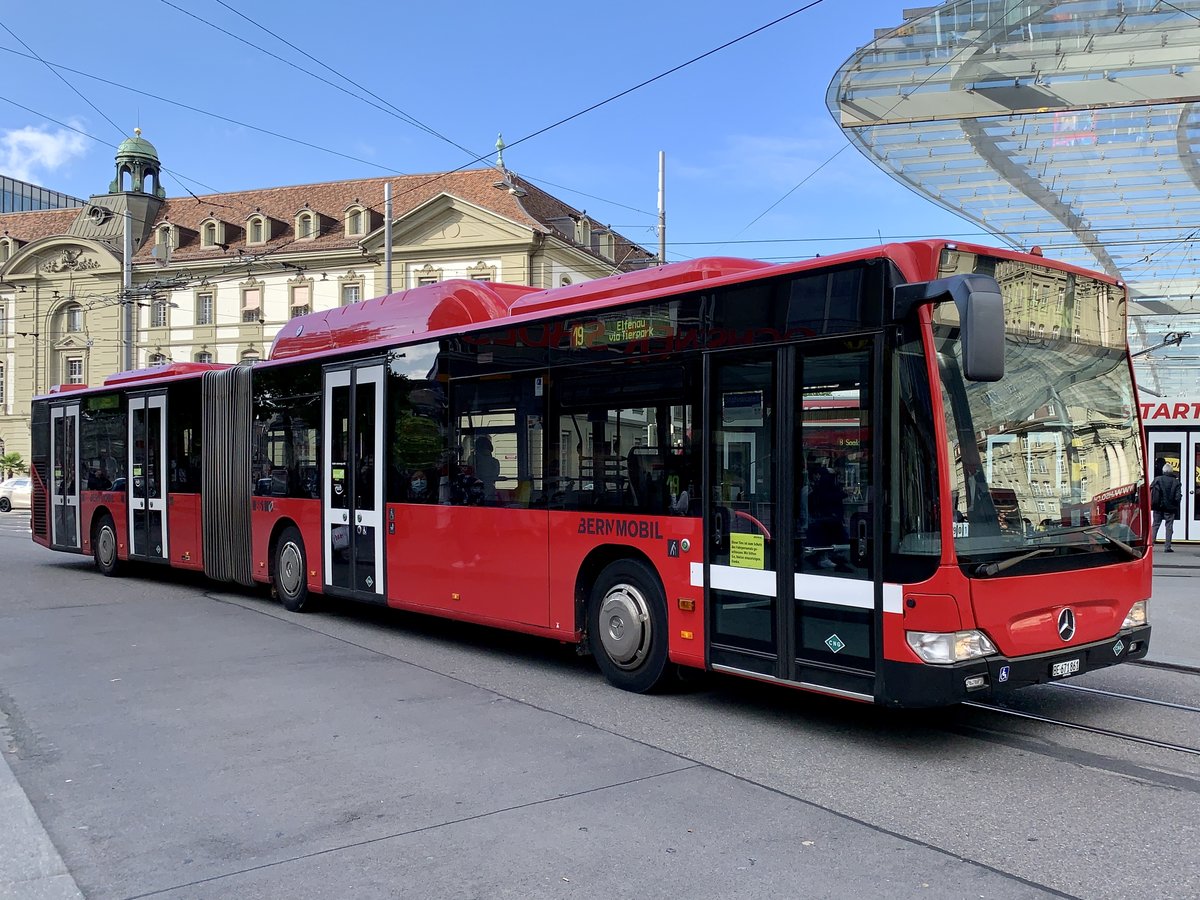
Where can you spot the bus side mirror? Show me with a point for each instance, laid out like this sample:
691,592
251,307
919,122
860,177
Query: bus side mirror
980,314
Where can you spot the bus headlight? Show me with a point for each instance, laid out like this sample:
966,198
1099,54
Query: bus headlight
945,648
1137,616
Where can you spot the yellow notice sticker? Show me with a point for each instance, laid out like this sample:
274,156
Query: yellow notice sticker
747,551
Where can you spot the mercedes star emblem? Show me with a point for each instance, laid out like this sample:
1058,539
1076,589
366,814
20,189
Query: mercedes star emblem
1066,624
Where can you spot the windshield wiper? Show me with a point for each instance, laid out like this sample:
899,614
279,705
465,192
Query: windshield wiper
993,568
1116,542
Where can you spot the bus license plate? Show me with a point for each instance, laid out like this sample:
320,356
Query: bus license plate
1066,667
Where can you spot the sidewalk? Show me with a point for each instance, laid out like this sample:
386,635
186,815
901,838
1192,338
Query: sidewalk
1186,556
1174,612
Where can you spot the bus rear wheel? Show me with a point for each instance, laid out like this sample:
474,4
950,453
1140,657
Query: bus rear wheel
104,546
289,575
627,626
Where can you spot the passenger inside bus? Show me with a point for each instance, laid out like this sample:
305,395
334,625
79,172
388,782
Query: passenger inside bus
486,467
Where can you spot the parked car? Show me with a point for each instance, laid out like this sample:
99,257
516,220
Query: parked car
14,493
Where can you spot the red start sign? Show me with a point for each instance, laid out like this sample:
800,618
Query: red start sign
1171,411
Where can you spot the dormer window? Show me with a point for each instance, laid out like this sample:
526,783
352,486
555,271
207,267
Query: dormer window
6,250
608,245
257,230
212,233
306,226
356,219
583,231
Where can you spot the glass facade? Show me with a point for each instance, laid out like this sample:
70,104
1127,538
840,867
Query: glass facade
1067,125
18,196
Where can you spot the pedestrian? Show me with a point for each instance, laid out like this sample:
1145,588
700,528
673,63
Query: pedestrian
1165,495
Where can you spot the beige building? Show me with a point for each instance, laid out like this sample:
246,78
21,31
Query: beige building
213,278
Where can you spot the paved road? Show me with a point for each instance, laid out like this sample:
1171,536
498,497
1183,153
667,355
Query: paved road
183,740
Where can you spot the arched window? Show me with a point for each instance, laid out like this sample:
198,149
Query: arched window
204,357
256,232
251,356
73,317
209,235
355,219
157,359
304,226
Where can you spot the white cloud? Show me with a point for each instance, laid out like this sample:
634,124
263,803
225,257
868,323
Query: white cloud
26,153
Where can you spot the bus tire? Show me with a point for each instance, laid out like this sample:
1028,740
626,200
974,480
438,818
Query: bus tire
627,626
104,546
289,575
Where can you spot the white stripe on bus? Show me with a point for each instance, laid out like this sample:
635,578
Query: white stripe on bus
850,592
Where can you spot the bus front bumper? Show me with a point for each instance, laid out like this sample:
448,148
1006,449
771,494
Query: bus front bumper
916,685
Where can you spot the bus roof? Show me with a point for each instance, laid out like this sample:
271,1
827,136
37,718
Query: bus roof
459,303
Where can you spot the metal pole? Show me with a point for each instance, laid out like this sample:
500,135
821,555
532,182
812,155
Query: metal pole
126,298
387,237
662,207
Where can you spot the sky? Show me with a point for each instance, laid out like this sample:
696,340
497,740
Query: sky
244,94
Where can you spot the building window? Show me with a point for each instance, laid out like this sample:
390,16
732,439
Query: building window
301,300
304,226
256,233
564,281
2,386
158,314
5,250
251,356
427,274
3,317
158,359
74,317
204,308
252,304
75,370
351,293
204,357
481,272
354,221
208,236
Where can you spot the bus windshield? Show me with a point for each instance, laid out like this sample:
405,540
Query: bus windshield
1049,458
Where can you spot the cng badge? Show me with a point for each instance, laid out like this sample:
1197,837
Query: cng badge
834,643
1118,647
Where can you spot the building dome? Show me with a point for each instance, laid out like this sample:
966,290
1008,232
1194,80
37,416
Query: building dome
137,167
137,146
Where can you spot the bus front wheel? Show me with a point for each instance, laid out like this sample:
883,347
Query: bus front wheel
627,626
289,575
104,546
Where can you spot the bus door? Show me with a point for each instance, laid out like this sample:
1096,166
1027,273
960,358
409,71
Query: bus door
1182,450
353,468
64,477
147,476
791,579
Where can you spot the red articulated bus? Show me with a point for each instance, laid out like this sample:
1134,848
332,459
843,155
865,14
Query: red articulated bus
861,475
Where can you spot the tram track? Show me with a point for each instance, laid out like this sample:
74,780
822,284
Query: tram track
1184,707
1088,729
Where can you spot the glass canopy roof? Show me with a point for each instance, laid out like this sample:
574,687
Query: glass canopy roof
1069,124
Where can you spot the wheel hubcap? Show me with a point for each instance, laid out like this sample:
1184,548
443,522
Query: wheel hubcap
106,546
625,626
291,569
